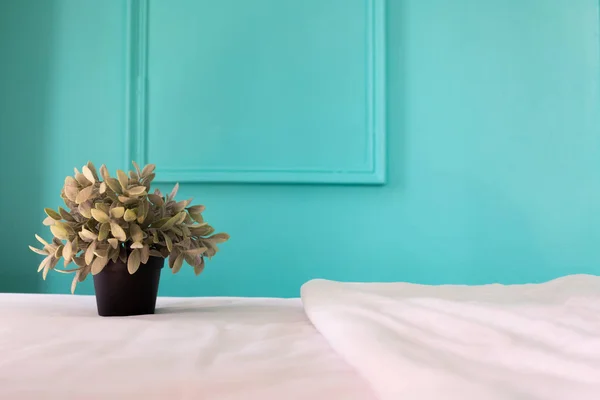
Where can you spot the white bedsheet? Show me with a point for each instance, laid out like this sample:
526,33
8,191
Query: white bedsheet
492,342
55,347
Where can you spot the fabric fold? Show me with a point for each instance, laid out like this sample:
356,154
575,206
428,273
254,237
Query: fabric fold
494,342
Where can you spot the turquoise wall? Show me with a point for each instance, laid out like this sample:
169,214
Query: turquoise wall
493,150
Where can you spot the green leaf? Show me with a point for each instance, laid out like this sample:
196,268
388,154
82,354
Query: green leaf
177,207
104,230
114,185
137,168
87,235
59,251
87,172
99,215
145,254
133,263
89,253
48,221
59,232
219,237
118,232
117,212
44,262
196,209
42,241
199,268
104,172
74,282
67,252
168,241
71,192
130,215
178,263
156,199
35,250
196,251
123,179
84,194
136,232
136,191
197,217
172,221
66,215
85,209
142,211
52,214
98,265
148,169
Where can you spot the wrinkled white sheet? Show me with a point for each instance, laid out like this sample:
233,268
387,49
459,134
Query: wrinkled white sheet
55,347
492,342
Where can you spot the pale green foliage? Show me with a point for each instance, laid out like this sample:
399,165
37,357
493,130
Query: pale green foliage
118,219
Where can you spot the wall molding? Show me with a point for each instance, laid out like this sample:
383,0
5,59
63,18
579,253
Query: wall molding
137,113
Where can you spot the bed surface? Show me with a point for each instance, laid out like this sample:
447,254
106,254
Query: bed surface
57,347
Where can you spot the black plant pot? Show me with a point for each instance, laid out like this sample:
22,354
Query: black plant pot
119,294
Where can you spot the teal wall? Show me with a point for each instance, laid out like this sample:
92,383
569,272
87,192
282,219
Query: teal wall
493,151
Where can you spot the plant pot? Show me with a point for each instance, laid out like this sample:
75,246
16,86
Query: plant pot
119,293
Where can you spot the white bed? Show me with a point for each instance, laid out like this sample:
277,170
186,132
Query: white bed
355,341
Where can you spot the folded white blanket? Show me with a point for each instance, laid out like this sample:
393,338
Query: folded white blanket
491,342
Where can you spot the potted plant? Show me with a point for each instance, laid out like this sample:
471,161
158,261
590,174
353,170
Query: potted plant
118,231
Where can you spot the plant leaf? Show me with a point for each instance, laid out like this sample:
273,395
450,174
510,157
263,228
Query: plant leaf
59,232
114,185
136,232
219,237
42,241
129,215
102,188
67,252
87,172
118,232
52,214
87,235
145,254
99,215
178,263
199,268
44,262
35,250
133,263
89,253
113,242
123,179
196,209
65,215
98,265
171,221
137,168
148,169
74,282
168,241
104,230
48,221
136,245
85,209
173,192
136,191
142,211
84,194
196,251
59,251
156,199
117,212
